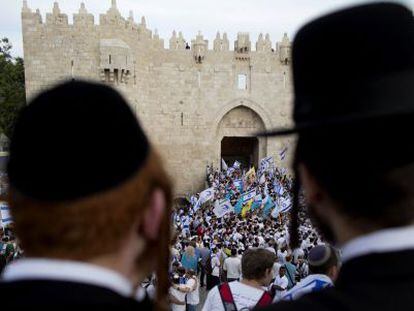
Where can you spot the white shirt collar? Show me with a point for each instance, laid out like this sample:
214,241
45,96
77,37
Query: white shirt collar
70,271
382,241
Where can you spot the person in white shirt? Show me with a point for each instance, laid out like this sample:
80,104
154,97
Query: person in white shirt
177,296
232,266
251,291
193,294
280,284
215,269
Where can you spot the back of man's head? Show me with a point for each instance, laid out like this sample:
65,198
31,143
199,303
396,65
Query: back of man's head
322,259
255,262
71,197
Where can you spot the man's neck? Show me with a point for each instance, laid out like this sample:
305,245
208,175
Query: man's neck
252,283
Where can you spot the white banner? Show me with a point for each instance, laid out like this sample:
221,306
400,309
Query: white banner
206,195
222,208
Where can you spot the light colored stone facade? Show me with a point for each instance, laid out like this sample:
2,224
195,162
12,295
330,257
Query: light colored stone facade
187,99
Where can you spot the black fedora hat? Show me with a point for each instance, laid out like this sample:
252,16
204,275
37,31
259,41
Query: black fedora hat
352,66
75,140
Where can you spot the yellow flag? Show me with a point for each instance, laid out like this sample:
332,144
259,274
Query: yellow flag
251,175
247,208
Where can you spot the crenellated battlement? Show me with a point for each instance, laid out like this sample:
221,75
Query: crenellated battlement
113,19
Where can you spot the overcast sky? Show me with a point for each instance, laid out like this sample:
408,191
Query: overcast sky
189,16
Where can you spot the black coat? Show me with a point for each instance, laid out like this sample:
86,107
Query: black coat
64,294
378,282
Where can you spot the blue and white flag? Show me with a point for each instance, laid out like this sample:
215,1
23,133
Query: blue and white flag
236,164
285,204
224,165
266,163
196,206
222,208
5,214
248,196
206,195
279,189
312,283
283,153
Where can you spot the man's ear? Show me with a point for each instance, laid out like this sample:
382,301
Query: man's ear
313,192
154,215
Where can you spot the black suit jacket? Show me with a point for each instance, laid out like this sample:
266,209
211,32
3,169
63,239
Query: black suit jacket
61,294
378,282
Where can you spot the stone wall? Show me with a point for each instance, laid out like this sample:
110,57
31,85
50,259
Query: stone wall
180,94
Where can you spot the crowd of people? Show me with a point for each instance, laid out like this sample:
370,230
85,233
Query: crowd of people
234,238
9,246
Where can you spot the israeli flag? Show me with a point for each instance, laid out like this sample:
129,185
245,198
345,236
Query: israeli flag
266,163
222,208
285,204
197,206
5,214
279,189
283,153
248,196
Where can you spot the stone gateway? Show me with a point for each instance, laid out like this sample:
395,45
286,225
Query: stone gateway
198,103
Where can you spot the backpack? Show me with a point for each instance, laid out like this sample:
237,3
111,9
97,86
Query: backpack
228,300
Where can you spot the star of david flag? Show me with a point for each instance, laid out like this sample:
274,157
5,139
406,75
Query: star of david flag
279,189
285,204
266,163
248,196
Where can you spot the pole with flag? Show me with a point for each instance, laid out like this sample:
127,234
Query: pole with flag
224,166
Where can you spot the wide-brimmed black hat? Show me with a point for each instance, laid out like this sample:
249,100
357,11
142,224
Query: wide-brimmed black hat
352,66
75,140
